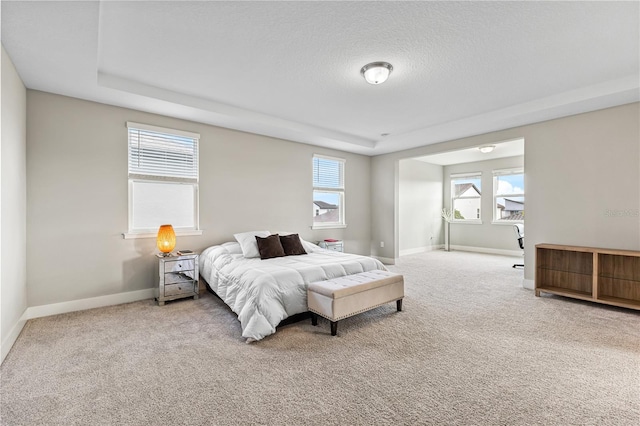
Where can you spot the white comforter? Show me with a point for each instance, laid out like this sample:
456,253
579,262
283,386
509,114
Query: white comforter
264,292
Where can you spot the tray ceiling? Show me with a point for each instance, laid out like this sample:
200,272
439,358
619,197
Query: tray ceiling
291,70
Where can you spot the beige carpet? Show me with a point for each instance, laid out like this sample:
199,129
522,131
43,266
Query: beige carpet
472,347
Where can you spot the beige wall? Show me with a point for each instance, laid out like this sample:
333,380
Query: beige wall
13,237
498,237
77,196
420,204
385,203
578,170
581,175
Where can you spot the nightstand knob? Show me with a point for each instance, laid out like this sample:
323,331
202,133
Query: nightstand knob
179,265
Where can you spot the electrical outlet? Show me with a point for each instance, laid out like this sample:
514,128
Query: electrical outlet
382,244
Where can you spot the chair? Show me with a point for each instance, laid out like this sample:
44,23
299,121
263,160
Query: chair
519,230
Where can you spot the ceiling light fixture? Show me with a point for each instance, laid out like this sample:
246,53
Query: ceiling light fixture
486,149
376,72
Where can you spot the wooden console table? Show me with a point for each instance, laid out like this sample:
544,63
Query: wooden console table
594,274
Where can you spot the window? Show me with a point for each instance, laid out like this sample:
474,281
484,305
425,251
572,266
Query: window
328,192
163,179
466,192
508,195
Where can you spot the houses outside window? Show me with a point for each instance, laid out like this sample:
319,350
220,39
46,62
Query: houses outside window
466,193
163,179
328,192
508,196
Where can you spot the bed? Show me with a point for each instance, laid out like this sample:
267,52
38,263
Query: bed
263,292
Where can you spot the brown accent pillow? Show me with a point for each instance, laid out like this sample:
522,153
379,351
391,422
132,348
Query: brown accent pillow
270,247
292,245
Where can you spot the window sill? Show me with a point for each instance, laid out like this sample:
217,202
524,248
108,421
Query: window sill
507,222
467,222
332,226
132,236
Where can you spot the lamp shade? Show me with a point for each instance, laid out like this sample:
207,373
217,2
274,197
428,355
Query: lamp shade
166,238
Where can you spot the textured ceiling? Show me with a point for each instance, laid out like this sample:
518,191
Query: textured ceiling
291,69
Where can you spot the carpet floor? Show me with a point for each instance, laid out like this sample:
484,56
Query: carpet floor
471,347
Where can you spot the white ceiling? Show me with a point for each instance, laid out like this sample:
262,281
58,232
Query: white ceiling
292,69
470,155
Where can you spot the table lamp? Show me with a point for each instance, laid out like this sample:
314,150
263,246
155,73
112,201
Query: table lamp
166,239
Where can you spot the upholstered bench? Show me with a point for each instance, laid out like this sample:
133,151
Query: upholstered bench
342,297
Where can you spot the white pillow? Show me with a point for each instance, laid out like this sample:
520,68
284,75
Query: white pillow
248,242
309,247
232,247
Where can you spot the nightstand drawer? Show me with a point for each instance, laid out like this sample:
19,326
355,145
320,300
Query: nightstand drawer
175,277
331,245
187,287
179,265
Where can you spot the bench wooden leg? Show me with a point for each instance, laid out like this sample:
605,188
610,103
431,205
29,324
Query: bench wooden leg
314,318
334,328
399,304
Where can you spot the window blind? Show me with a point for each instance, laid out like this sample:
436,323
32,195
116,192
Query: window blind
328,172
154,153
465,175
504,172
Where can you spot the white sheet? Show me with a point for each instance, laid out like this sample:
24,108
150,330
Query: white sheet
264,292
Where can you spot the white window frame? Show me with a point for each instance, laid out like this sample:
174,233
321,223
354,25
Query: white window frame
460,176
496,174
155,175
333,190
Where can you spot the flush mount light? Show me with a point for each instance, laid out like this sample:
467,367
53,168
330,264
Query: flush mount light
376,72
486,149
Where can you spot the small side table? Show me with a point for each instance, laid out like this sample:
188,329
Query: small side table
332,245
177,277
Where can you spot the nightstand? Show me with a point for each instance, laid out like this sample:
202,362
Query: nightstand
177,277
332,245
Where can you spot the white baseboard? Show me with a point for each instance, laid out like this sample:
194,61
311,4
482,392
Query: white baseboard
7,344
90,303
385,260
515,253
528,284
71,306
423,249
